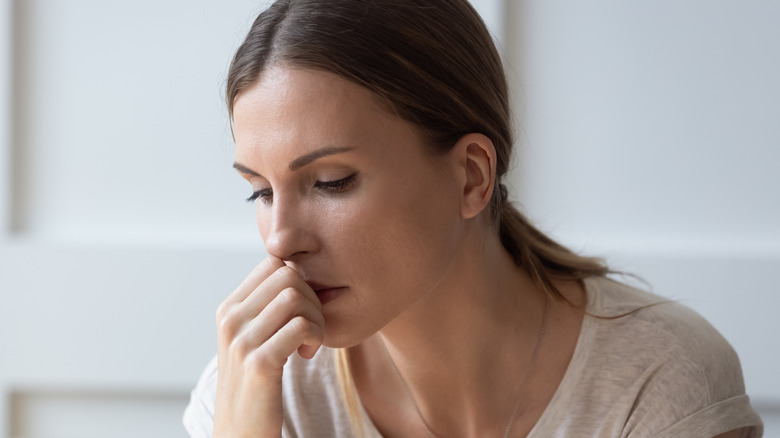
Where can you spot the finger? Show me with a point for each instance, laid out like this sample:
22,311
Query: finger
301,285
295,334
233,317
260,273
273,354
289,304
230,319
281,279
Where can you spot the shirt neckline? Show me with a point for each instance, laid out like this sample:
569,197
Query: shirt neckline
577,363
570,377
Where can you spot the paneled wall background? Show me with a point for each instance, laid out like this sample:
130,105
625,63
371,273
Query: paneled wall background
647,134
123,221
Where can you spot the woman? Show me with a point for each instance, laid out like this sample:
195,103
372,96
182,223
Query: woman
375,135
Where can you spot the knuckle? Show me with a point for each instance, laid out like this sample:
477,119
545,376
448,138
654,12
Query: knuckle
290,297
260,363
228,323
300,324
222,310
240,346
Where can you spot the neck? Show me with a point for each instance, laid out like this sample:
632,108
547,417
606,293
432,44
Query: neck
480,325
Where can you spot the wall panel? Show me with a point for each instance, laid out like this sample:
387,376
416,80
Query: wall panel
647,134
121,414
123,222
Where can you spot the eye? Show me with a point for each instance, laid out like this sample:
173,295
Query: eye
265,196
337,186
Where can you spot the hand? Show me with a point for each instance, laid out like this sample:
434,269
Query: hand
272,314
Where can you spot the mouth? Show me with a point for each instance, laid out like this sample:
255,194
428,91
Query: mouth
326,293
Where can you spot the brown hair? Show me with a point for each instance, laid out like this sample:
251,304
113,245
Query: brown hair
435,65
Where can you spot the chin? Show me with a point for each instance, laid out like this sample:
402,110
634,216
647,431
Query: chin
343,335
341,340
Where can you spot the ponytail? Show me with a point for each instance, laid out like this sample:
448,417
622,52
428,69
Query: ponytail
543,258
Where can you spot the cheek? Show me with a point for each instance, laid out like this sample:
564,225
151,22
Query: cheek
347,229
402,243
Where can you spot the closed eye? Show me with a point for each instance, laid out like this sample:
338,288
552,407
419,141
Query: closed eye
265,196
336,186
340,185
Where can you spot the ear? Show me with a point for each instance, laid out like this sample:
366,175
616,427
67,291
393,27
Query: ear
475,158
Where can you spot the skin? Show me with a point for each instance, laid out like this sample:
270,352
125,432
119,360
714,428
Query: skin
408,243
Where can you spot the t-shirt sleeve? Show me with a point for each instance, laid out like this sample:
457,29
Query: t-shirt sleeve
660,372
699,390
198,416
683,398
724,416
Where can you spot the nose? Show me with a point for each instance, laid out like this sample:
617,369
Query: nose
286,230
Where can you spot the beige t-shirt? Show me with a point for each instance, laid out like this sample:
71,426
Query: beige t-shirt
660,372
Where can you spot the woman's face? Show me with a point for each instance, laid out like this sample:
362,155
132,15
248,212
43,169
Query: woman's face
348,195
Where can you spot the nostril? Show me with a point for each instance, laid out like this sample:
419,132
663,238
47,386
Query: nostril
289,247
288,235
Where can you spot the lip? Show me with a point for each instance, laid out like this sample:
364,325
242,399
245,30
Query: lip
326,293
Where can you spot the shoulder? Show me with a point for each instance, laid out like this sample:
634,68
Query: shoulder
671,370
657,329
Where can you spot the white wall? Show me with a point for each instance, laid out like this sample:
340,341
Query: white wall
649,134
133,88
122,222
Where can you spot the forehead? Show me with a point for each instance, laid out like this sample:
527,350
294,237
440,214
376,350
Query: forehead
304,109
284,86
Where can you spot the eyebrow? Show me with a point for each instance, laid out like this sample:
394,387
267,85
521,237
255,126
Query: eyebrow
319,153
243,169
300,161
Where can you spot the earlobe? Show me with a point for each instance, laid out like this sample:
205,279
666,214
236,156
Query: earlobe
478,160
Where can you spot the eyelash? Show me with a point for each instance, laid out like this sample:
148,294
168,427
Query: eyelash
263,194
337,186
